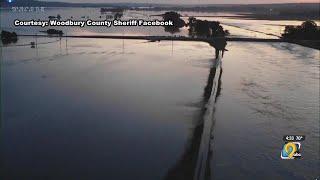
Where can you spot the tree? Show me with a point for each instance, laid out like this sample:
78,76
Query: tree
309,26
308,30
206,28
176,19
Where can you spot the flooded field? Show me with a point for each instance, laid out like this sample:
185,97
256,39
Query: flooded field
133,109
130,109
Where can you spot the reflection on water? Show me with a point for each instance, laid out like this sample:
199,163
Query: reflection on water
194,161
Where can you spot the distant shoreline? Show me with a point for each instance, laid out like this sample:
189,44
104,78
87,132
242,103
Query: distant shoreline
276,11
253,16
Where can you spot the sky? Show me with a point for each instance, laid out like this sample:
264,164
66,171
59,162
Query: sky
192,1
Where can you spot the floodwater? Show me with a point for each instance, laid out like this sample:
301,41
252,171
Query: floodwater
129,109
238,27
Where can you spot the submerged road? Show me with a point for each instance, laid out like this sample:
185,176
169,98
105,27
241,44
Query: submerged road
306,43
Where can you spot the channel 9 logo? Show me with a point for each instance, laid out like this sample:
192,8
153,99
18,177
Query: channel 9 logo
292,147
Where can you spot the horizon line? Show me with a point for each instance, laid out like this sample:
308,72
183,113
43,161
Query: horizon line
310,2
